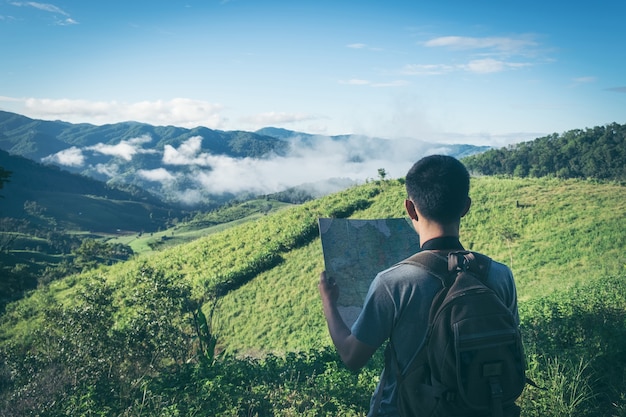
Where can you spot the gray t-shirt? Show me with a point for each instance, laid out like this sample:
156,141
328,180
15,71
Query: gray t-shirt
397,307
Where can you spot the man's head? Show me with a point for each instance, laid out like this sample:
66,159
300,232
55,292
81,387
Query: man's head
438,186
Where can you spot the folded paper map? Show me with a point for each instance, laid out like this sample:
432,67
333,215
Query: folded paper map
356,250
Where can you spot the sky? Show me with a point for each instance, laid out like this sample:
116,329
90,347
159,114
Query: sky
479,72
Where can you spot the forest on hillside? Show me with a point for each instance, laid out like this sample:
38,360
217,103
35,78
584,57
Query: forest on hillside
598,153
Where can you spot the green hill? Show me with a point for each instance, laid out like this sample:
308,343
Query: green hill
231,324
554,234
77,202
45,214
598,153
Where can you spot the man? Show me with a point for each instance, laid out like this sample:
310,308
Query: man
397,305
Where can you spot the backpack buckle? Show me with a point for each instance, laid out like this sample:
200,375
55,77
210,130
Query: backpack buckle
459,261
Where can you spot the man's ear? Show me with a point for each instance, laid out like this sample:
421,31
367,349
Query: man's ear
467,206
409,206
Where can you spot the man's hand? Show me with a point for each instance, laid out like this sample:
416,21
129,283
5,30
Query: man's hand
353,352
329,290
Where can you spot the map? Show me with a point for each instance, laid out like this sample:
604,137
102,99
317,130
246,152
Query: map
356,250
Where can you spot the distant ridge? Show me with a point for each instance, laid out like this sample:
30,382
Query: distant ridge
36,139
203,168
76,202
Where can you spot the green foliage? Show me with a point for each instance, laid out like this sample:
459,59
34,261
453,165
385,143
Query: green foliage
231,324
92,253
96,350
591,153
231,212
574,342
4,176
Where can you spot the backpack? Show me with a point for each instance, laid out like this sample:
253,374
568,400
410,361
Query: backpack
472,362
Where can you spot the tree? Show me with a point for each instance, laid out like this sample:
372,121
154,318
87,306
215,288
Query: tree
382,173
93,252
4,177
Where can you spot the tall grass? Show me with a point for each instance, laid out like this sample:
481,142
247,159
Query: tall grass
564,240
547,254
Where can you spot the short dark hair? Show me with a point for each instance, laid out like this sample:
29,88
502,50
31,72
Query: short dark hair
438,185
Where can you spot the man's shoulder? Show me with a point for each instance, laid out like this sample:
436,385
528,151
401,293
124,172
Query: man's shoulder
404,274
500,268
404,267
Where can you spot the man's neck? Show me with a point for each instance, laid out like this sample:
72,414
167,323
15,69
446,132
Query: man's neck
428,230
446,243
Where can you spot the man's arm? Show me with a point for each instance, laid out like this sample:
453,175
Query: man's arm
353,352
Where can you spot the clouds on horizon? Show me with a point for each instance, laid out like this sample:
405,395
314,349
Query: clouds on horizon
192,173
180,112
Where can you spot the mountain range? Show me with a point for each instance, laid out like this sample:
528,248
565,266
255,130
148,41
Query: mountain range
202,167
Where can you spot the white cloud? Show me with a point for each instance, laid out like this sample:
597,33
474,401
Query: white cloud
67,22
180,112
50,8
263,176
274,118
479,66
486,55
41,6
125,149
426,69
483,66
110,170
189,196
160,175
188,153
502,44
318,159
71,157
488,65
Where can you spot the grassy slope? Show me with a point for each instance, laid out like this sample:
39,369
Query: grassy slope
186,233
566,232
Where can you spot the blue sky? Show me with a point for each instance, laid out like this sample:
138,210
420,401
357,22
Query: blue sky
483,72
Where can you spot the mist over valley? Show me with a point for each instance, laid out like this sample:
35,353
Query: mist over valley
199,167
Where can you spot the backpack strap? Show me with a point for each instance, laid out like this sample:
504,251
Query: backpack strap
447,265
473,262
433,262
437,266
